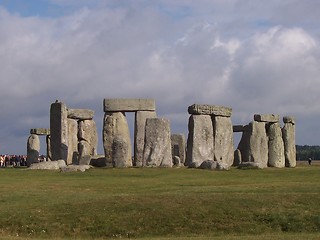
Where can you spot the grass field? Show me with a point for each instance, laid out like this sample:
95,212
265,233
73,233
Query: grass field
160,203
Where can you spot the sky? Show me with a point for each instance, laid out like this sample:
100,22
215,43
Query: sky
256,56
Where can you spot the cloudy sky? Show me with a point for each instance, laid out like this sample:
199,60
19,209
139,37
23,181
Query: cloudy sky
255,56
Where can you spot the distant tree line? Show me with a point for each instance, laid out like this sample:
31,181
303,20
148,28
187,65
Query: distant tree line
305,152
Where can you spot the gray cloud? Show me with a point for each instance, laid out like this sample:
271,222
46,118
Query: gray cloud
242,54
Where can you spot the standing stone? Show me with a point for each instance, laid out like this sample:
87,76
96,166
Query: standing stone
223,140
178,146
254,144
59,131
200,146
72,141
88,132
157,149
120,152
288,134
33,149
48,142
276,147
139,135
115,125
237,158
84,149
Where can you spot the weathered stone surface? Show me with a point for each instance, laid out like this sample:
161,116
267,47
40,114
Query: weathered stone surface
237,158
289,119
75,168
33,149
80,114
72,141
272,118
84,148
40,131
128,105
59,131
85,160
200,145
157,149
213,165
176,161
121,152
254,144
48,142
251,165
276,148
50,165
240,128
98,161
199,109
139,135
178,146
87,131
223,140
115,125
289,140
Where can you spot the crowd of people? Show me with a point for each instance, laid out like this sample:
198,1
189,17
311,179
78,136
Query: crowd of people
13,160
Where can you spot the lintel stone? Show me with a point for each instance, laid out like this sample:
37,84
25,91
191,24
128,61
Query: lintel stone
80,114
199,109
128,105
272,118
289,119
240,128
40,131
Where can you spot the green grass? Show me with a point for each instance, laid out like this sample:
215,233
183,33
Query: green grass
161,204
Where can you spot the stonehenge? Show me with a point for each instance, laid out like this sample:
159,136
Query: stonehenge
210,135
72,138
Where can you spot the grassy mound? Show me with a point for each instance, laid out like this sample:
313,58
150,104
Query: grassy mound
171,203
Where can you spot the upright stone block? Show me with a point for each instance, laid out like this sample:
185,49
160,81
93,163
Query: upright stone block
200,145
289,139
178,147
254,145
33,149
116,125
198,109
223,140
48,142
59,131
139,135
157,149
87,131
72,141
128,105
276,156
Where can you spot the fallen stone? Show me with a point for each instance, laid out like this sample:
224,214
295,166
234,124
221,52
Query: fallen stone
80,114
250,165
128,105
272,118
213,165
98,161
198,109
49,165
75,168
85,160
